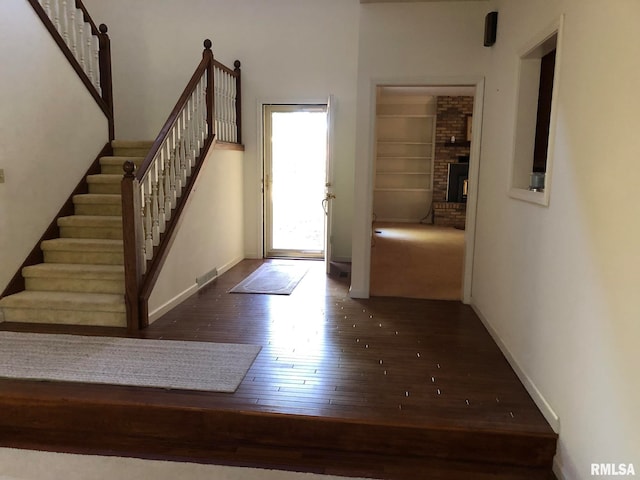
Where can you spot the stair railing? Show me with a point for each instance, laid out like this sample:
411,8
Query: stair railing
86,46
227,103
154,195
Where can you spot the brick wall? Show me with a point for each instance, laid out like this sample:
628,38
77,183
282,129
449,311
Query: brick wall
451,120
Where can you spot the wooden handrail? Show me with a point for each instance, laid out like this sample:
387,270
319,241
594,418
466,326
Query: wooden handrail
154,195
173,116
104,99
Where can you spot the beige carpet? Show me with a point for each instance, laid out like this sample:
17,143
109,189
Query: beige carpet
275,278
213,367
417,261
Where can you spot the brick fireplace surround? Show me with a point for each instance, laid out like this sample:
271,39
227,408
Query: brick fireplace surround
452,113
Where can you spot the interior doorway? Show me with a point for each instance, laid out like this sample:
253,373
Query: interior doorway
295,180
422,151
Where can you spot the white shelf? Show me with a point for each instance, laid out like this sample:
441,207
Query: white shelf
405,135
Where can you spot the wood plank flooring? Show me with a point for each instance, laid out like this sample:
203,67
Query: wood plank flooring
382,388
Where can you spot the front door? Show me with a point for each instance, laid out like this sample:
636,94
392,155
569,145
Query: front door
295,152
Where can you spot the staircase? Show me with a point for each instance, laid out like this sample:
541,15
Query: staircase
81,281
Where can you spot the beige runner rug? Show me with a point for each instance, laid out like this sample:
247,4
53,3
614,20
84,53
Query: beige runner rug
170,364
273,278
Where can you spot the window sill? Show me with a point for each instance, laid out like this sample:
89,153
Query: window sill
539,198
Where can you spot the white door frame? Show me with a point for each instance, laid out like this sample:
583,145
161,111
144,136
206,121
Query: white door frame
363,205
329,101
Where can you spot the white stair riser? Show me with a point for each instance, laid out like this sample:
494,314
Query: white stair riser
111,169
64,317
72,285
130,152
80,257
106,233
98,209
112,188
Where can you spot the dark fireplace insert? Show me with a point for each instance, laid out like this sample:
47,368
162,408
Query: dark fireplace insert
457,182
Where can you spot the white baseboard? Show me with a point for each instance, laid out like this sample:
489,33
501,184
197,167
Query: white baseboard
536,395
228,266
354,293
558,471
175,301
181,297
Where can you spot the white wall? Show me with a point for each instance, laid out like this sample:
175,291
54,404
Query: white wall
559,285
30,465
210,232
51,129
406,43
291,51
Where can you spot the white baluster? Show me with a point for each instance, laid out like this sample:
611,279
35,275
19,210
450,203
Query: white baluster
46,4
141,246
95,50
197,132
64,22
73,36
80,43
226,107
179,161
55,11
229,108
218,103
186,138
203,108
194,127
167,179
184,161
173,153
234,116
148,222
223,101
155,210
89,59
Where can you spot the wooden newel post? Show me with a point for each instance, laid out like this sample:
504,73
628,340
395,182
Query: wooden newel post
105,74
237,71
208,54
131,236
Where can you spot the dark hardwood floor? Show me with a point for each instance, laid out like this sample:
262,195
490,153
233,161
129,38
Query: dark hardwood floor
382,388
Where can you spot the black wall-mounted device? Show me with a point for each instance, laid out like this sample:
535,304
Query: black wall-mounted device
490,28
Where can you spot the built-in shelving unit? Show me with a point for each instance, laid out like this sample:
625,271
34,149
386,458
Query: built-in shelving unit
405,133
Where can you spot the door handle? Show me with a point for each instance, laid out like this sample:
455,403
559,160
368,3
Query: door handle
325,202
